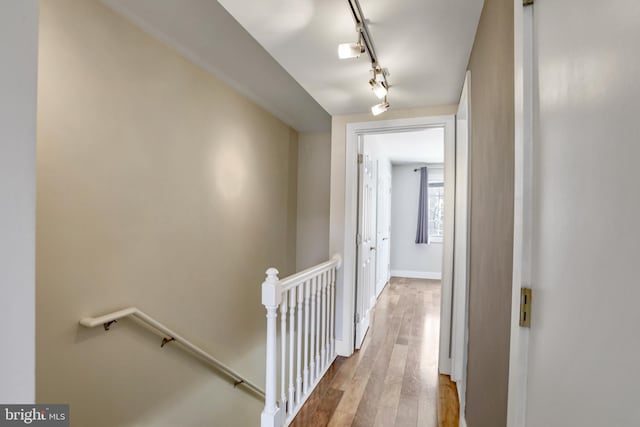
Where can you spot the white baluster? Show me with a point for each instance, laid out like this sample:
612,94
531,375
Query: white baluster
271,300
323,340
283,353
326,336
323,322
332,313
335,310
307,289
318,326
299,343
292,311
312,331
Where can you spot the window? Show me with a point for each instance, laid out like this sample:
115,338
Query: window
436,212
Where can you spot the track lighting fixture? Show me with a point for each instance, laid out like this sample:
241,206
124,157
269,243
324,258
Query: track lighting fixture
378,82
352,50
378,109
379,88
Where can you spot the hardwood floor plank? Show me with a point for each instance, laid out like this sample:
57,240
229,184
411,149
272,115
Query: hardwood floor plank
408,412
428,410
341,419
448,408
392,381
386,416
368,407
346,372
397,364
353,395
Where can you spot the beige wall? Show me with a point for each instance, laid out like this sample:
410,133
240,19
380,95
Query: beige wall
159,187
314,175
491,256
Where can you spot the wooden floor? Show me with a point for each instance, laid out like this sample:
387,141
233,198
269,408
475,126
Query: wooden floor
393,380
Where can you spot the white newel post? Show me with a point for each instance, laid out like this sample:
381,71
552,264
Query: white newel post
271,415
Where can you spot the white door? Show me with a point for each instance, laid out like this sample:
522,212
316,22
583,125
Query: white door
366,241
583,343
461,245
384,227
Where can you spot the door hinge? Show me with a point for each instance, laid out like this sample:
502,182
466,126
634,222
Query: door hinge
527,2
525,307
360,158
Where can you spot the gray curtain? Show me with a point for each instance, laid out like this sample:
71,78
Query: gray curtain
422,233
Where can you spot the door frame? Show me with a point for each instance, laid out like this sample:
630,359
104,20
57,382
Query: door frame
460,326
522,220
345,347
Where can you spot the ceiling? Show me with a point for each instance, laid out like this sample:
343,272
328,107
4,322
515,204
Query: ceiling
424,146
425,44
285,57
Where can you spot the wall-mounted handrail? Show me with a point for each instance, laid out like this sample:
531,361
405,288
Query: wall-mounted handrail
169,335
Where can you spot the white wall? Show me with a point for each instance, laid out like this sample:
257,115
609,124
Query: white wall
314,174
19,53
409,259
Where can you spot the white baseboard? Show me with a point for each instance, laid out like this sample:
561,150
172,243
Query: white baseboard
461,402
342,348
416,274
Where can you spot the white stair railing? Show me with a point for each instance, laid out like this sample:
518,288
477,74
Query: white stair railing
306,302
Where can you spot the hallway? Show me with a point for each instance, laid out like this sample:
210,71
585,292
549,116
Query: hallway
393,380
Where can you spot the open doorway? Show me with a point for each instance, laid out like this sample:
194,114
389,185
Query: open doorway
442,354
401,209
354,139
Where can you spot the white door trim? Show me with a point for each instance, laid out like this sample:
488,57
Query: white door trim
460,327
522,221
353,130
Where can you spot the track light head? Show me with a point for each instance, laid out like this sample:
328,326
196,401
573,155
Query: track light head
378,109
350,50
379,88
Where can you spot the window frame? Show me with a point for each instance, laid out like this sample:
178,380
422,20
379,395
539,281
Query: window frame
432,238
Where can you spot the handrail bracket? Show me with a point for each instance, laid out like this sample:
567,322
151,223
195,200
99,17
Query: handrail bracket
166,340
108,324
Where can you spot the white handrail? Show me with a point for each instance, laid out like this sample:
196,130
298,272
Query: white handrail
297,278
108,319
